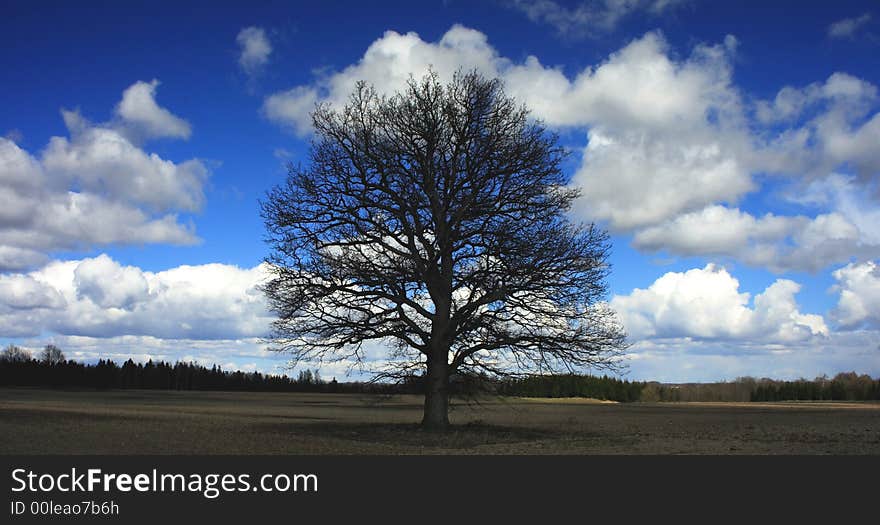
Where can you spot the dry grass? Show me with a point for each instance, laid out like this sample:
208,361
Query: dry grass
160,422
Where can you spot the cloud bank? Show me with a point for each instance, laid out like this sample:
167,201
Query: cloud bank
99,297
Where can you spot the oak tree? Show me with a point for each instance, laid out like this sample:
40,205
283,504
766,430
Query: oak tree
436,221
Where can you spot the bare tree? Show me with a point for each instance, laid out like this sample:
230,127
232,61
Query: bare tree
435,221
15,353
52,355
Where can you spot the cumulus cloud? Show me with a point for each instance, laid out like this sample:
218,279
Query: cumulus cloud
840,89
15,258
97,186
665,136
827,125
141,116
778,243
254,49
717,230
23,292
681,145
98,297
859,288
637,86
387,64
92,278
588,18
633,180
706,303
292,108
848,27
103,161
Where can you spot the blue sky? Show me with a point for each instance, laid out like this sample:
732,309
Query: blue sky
730,149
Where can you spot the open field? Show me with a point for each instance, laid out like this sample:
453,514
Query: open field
168,422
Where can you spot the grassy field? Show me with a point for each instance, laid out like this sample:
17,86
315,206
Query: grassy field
166,422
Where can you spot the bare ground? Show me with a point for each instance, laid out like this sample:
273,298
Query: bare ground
164,422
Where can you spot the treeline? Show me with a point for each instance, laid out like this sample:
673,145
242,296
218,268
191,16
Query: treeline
846,386
572,385
18,368
106,374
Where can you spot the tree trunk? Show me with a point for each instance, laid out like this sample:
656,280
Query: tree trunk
436,416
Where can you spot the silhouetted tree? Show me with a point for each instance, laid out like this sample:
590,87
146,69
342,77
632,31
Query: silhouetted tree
52,355
304,377
435,220
15,354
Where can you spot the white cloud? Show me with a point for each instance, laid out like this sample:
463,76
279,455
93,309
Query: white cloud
387,64
779,243
38,214
707,304
665,137
292,108
833,124
15,258
143,118
841,90
109,285
98,297
23,292
851,144
97,186
716,230
639,179
848,27
102,161
776,315
591,17
859,287
853,201
637,86
255,49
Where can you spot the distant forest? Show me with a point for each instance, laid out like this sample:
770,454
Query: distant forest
50,369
